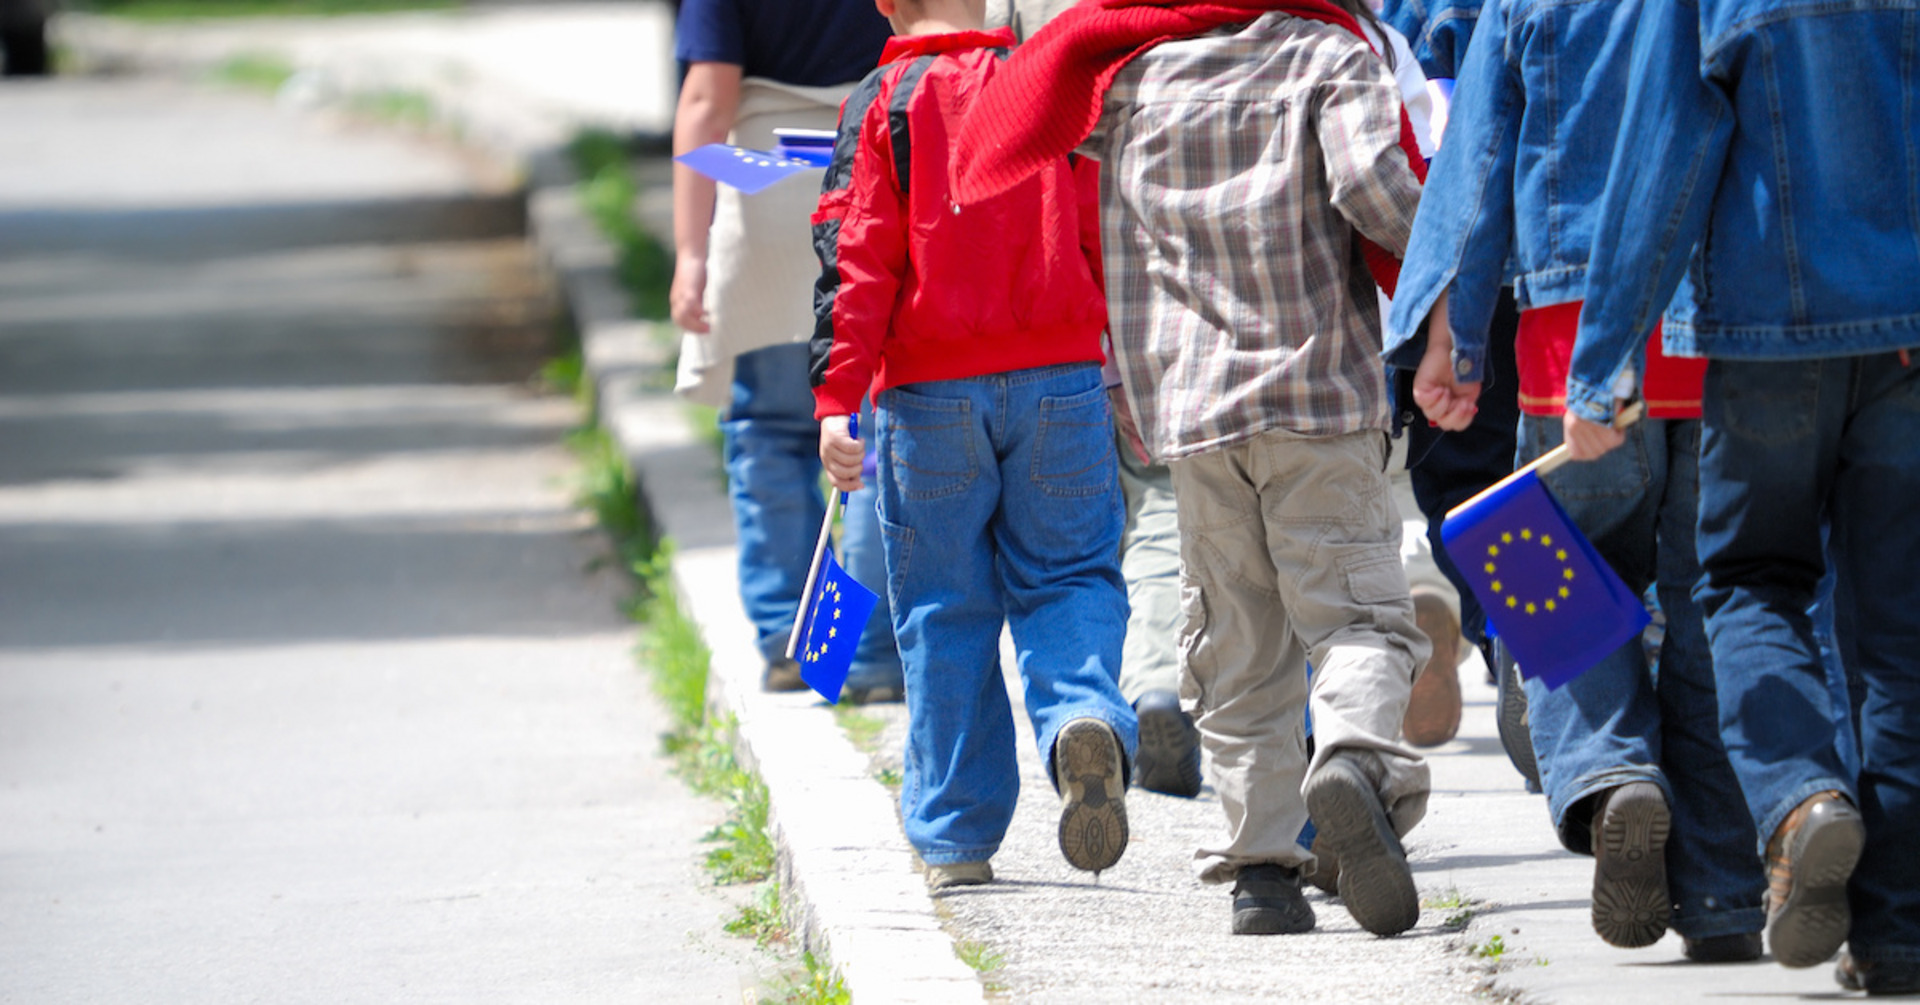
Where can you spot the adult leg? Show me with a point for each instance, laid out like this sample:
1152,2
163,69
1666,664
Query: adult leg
773,478
939,487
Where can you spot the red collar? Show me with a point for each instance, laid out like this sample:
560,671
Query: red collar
909,46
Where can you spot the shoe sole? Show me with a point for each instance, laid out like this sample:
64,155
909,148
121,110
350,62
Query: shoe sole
1808,929
1166,737
1093,823
1375,884
1631,906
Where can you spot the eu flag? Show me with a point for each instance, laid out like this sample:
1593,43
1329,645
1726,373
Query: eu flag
747,170
1552,599
829,627
834,611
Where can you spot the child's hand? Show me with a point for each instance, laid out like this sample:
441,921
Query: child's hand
840,454
1447,402
1587,441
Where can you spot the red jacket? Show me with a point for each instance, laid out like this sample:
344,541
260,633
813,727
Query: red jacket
914,289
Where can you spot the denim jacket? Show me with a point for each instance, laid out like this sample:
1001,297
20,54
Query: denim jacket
1438,30
1769,169
1514,194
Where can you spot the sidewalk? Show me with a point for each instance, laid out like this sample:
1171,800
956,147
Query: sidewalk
1515,924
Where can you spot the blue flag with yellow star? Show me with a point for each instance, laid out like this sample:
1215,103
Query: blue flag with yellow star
835,613
1551,598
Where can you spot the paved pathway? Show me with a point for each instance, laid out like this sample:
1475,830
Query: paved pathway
307,689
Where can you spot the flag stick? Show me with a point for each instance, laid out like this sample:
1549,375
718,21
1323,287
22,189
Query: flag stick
835,500
1548,461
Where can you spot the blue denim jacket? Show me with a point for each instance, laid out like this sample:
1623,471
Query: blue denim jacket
1438,30
1769,156
1514,193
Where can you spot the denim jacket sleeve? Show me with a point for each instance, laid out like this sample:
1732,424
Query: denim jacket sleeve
1438,30
1463,235
1674,136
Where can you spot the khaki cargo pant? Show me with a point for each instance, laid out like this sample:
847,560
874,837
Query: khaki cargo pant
1290,552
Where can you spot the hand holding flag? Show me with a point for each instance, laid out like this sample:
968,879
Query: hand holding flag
834,607
1551,598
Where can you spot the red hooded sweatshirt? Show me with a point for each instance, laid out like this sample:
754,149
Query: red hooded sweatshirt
914,287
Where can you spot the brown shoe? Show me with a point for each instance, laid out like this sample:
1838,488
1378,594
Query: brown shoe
1809,860
946,877
1433,710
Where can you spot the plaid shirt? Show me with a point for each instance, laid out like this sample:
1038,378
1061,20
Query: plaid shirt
1235,168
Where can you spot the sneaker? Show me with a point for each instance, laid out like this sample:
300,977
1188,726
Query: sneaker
1169,757
1739,947
944,877
1343,798
1886,978
1631,906
1809,860
1433,710
1267,901
1324,873
782,674
1511,718
1089,771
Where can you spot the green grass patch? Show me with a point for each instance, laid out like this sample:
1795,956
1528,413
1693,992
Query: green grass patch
979,956
411,109
889,777
760,919
861,728
605,486
186,10
822,985
607,193
254,72
1492,949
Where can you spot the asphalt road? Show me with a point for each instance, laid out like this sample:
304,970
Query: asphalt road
310,689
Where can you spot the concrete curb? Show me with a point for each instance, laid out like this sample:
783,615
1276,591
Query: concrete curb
851,888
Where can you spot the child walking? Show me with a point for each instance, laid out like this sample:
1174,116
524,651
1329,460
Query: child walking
1243,173
978,330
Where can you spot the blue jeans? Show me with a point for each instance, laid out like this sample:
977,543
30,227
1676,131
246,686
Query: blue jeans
773,479
1000,502
1623,722
1785,444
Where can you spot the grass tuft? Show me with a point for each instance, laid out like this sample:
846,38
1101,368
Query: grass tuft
254,72
979,955
1492,949
760,919
822,985
607,194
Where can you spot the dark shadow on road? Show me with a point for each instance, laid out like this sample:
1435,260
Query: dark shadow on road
271,582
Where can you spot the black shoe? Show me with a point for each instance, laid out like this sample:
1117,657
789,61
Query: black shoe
1739,947
1267,901
1512,715
1631,906
1169,757
1343,799
1889,978
872,695
782,675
